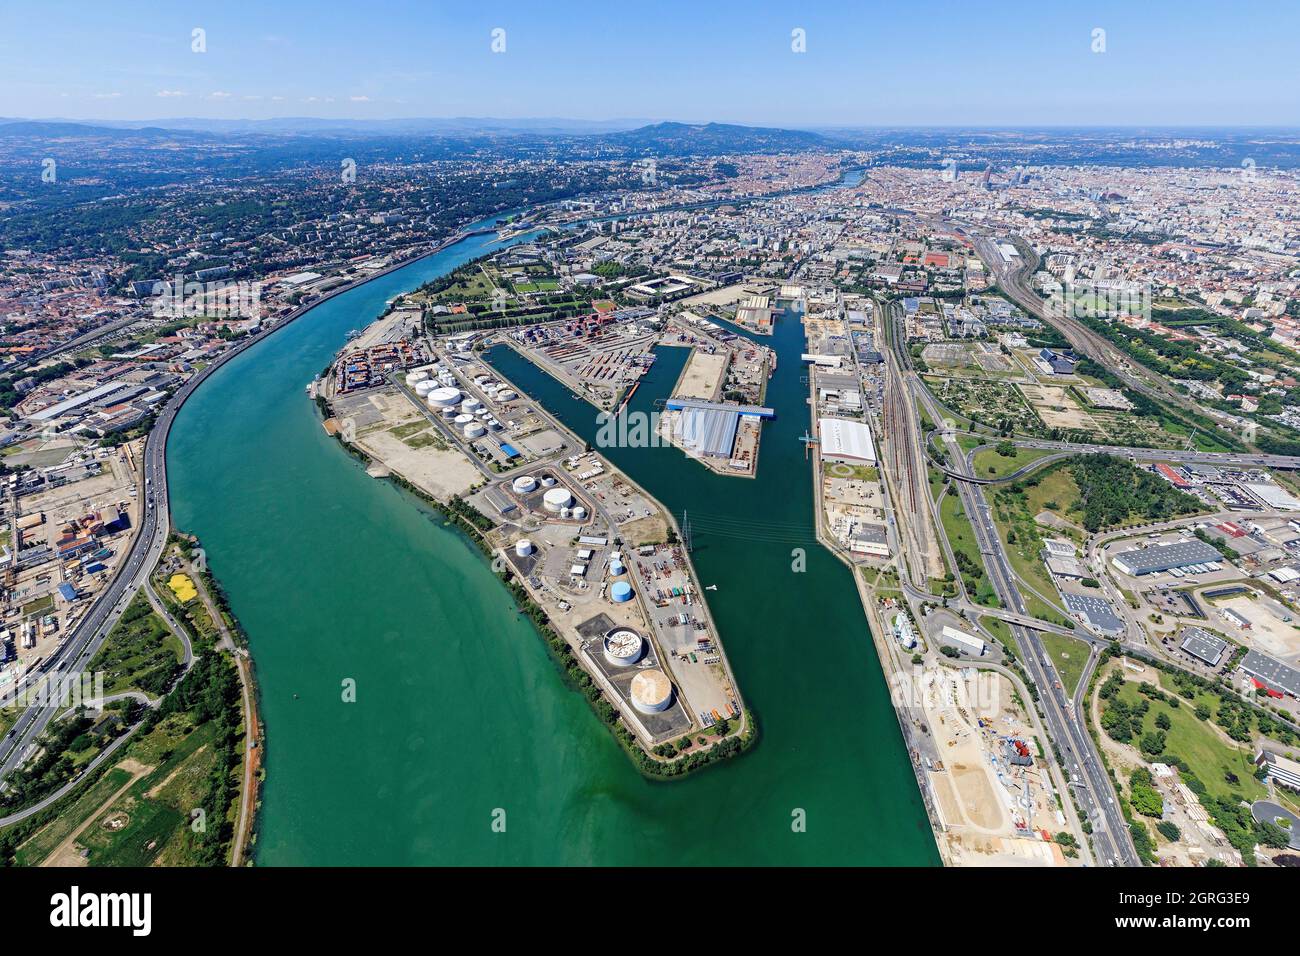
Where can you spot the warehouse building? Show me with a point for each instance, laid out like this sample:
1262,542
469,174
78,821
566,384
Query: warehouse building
964,641
1203,645
1097,611
1165,557
709,428
1271,674
845,440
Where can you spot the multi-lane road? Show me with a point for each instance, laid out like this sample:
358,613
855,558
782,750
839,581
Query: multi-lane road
1093,792
1091,785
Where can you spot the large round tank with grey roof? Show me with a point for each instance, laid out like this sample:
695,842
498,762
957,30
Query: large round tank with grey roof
557,499
444,397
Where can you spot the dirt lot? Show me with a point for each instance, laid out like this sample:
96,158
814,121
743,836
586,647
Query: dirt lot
1268,632
702,377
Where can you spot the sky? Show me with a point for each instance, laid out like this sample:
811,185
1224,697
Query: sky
864,63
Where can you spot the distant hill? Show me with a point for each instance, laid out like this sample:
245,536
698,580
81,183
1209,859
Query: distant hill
315,126
681,139
59,129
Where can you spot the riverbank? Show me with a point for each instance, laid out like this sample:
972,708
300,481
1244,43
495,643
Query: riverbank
564,627
457,711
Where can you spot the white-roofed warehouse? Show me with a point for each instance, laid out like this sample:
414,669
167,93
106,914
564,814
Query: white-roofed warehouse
845,440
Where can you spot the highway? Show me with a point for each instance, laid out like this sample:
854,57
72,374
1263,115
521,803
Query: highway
1091,784
146,547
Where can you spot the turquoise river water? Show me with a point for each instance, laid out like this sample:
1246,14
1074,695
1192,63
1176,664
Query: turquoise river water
459,711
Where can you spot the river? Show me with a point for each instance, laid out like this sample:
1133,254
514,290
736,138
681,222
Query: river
460,717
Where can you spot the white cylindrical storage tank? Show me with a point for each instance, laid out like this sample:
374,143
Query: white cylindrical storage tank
523,547
449,412
506,395
424,388
557,499
524,484
652,692
471,405
494,424
616,568
624,647
474,430
548,482
580,512
444,397
566,512
464,420
415,378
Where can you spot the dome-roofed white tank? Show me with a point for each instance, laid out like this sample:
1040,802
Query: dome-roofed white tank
414,378
474,430
548,482
580,512
464,419
651,691
557,499
444,397
524,484
623,647
506,395
424,388
523,547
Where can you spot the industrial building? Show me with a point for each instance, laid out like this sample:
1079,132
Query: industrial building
1097,611
1271,674
967,642
1166,557
1203,645
843,439
709,428
1281,770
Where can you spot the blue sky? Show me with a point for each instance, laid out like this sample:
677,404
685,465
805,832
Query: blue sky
866,63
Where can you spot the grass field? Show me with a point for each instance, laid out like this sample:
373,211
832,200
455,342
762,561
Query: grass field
43,842
1069,655
1198,742
988,463
962,538
141,653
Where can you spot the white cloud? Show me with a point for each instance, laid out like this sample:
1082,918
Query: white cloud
169,93
359,99
106,96
251,96
219,95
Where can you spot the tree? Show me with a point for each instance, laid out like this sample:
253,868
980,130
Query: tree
1153,743
1163,722
1169,830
